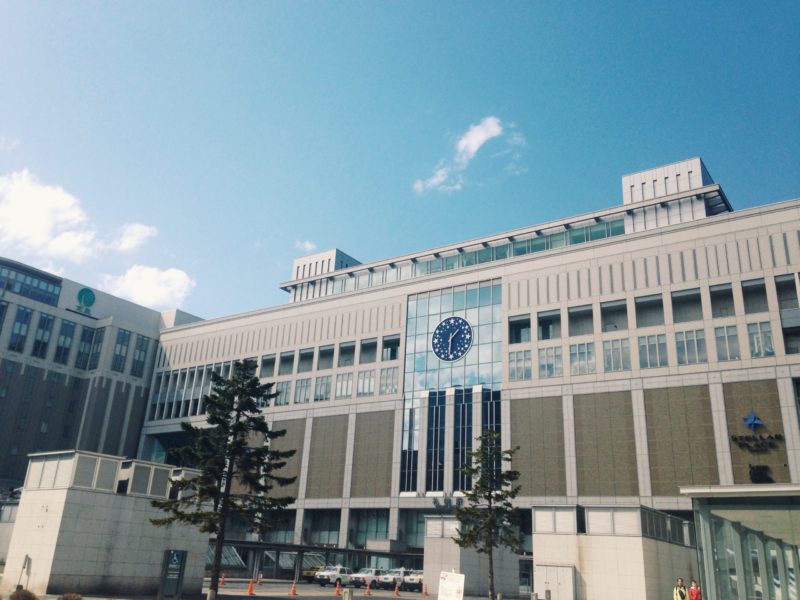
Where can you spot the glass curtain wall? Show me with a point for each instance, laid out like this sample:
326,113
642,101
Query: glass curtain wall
426,376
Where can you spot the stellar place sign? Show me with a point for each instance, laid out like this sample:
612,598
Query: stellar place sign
757,443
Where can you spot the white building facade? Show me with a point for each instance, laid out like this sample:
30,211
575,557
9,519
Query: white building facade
627,352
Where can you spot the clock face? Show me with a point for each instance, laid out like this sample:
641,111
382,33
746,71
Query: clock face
452,339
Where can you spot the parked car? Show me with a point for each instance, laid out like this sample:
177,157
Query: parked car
309,573
412,581
366,576
392,578
333,575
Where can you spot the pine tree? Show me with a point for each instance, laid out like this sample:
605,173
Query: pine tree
488,520
236,462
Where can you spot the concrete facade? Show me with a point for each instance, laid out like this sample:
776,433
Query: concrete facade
83,526
75,367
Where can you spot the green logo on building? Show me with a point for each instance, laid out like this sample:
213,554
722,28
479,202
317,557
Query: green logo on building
86,298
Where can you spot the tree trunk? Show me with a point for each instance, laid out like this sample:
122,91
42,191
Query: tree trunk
213,587
491,575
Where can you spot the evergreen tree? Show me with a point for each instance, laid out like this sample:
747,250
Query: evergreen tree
237,465
488,520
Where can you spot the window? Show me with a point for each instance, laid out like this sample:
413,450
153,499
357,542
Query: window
721,301
305,362
581,358
614,315
549,325
42,337
34,285
322,388
727,343
581,320
755,296
97,347
686,306
652,351
519,365
649,311
286,363
267,366
302,391
550,362
519,330
325,358
140,355
366,384
691,347
84,348
616,355
19,332
388,380
344,385
3,310
369,352
391,348
434,465
787,291
760,338
64,342
284,391
347,354
120,350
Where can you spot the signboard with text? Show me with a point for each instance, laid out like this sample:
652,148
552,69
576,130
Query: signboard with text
451,586
172,574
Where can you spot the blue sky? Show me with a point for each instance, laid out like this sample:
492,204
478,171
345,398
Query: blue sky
185,152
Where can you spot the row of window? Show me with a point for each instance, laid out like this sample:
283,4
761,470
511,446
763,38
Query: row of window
321,388
690,349
457,259
31,285
89,343
368,354
687,306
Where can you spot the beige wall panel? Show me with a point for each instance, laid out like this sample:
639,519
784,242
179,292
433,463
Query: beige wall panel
680,438
372,454
605,447
537,427
761,397
326,457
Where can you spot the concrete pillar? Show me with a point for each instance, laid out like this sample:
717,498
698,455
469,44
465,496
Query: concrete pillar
349,449
791,424
344,524
640,437
298,525
570,460
721,439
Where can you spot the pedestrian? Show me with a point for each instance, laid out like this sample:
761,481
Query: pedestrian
679,591
695,593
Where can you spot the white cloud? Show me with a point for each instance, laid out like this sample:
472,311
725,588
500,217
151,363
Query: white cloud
8,144
448,175
306,246
46,224
41,220
477,136
132,236
151,286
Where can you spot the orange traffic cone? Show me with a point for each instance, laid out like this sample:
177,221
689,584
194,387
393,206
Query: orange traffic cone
250,591
425,593
368,591
294,588
338,589
222,579
396,593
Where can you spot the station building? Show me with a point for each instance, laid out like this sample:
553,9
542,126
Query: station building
627,352
644,358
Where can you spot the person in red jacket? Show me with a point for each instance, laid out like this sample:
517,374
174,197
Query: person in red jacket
695,593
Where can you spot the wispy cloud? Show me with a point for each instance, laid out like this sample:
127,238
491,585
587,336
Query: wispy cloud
306,246
132,236
8,144
447,177
150,286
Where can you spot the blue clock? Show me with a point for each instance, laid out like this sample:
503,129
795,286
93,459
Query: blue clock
452,339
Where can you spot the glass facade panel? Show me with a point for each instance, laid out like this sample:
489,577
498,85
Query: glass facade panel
434,464
41,338
652,351
30,284
19,331
302,391
691,347
120,350
140,355
97,347
760,337
64,342
462,438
